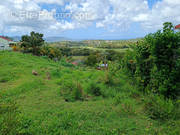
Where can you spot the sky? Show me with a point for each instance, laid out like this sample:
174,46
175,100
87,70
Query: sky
87,19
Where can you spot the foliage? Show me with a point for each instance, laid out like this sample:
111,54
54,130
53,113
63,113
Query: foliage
165,61
32,42
114,56
128,62
52,53
156,62
159,108
44,111
94,89
91,60
72,91
9,122
101,44
67,51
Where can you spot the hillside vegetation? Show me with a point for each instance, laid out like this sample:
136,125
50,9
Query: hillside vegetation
36,104
135,91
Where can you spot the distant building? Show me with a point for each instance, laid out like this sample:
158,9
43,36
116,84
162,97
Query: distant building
102,66
4,43
177,27
74,63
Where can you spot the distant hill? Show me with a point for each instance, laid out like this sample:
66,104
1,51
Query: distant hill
56,39
47,39
16,38
59,39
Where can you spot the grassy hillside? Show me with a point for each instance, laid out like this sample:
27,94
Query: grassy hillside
43,110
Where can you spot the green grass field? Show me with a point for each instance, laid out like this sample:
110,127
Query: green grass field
42,110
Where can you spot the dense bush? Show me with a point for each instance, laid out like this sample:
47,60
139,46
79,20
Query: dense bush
68,51
52,53
111,74
72,91
159,108
91,60
9,122
114,55
156,63
94,89
128,63
33,42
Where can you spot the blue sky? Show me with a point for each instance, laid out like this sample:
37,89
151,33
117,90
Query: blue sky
93,32
102,19
101,33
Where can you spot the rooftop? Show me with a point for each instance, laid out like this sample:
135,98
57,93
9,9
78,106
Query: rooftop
5,38
177,26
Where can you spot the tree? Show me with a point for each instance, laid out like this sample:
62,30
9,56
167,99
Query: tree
91,60
157,62
32,42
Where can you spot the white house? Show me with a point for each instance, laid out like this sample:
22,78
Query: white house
4,43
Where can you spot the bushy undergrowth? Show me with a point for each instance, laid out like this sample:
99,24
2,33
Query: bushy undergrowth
9,122
54,106
155,63
52,53
94,89
72,91
159,108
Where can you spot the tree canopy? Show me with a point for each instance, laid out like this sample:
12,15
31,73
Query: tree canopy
32,42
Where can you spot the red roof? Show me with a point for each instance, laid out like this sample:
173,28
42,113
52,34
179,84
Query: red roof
177,27
74,63
5,38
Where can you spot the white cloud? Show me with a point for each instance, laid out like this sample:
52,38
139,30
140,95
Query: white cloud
59,2
110,14
163,11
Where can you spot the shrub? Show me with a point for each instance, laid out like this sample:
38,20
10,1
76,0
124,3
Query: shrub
128,63
77,92
165,61
118,99
33,42
14,48
108,79
156,65
110,74
9,122
126,104
52,53
159,108
91,60
94,89
114,55
72,91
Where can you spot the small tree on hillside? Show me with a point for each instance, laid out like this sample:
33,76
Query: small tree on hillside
34,41
157,62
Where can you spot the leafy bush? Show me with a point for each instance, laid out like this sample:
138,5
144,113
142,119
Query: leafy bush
159,108
9,122
91,60
128,63
64,63
32,42
70,51
107,78
94,89
77,92
72,91
126,104
157,65
110,78
114,55
52,53
119,98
